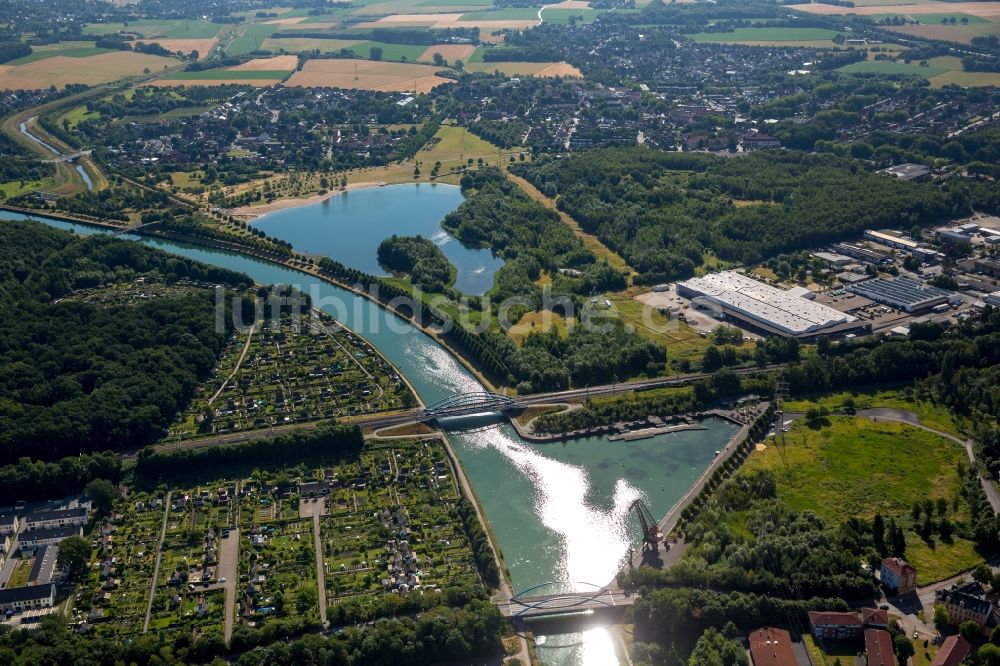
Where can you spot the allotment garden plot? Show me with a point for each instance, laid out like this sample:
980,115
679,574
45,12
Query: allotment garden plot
279,374
390,528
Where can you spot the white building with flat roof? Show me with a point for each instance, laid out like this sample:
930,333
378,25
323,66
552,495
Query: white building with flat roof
763,306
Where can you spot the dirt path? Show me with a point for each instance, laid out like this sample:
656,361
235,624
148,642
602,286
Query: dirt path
320,573
229,557
239,364
591,242
156,567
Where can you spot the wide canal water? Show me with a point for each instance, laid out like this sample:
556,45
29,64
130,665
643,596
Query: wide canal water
558,511
348,227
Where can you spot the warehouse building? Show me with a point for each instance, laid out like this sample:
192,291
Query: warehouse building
891,239
902,293
763,307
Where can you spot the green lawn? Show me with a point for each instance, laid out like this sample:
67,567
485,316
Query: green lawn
72,52
410,52
930,414
935,19
251,39
766,35
562,16
857,468
891,67
511,14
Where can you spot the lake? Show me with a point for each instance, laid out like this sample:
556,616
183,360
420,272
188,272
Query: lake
348,228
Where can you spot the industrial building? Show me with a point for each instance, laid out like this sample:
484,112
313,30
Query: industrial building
864,254
891,239
902,293
763,307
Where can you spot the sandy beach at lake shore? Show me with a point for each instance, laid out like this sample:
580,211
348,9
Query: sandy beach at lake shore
249,213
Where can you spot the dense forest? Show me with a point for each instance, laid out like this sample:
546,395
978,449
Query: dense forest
664,212
77,377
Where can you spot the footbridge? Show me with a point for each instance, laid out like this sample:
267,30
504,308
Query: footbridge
570,598
465,404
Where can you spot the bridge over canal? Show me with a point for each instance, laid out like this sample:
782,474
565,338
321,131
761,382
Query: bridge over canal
574,598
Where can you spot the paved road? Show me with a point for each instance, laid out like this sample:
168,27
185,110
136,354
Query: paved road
229,558
569,602
156,567
414,416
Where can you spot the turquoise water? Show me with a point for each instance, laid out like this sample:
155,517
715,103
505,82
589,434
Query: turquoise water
349,227
558,511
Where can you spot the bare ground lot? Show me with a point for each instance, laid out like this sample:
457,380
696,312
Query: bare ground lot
367,75
92,70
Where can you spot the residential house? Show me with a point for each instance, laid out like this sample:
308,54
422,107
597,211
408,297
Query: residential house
30,541
19,599
953,652
968,602
9,524
846,625
770,646
898,576
57,518
878,648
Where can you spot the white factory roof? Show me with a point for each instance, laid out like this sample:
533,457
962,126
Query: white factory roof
778,308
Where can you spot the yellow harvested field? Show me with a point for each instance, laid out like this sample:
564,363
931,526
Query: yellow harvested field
449,52
202,46
570,4
286,21
275,64
490,25
981,9
948,33
92,70
366,75
539,69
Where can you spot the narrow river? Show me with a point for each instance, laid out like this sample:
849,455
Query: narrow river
558,511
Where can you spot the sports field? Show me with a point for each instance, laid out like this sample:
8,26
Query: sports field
91,70
367,75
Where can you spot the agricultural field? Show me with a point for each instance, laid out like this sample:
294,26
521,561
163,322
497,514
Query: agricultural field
854,468
255,72
367,75
92,68
940,71
770,36
539,69
276,375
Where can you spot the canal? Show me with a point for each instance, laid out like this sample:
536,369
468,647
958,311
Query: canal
558,511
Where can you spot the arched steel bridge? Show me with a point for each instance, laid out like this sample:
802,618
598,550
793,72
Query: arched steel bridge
464,404
531,603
